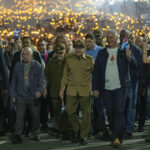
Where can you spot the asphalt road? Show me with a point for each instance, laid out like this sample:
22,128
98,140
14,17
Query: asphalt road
50,142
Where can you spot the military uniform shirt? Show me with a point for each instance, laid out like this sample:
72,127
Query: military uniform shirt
53,74
77,75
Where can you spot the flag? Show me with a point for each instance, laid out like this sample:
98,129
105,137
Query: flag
16,33
148,46
124,44
46,56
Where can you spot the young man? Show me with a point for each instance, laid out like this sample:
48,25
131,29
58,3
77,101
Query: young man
77,81
26,42
98,116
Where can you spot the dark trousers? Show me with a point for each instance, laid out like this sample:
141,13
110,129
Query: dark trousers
3,109
57,110
142,110
27,122
44,111
114,102
98,115
34,106
11,115
148,103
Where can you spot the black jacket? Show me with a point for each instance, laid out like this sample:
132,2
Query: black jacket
98,79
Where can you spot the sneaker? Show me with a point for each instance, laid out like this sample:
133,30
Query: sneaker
116,143
16,139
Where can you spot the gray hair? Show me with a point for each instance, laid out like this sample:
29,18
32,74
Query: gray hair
112,31
29,49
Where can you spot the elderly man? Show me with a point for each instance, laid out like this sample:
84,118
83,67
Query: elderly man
26,42
77,81
109,78
28,84
53,72
99,37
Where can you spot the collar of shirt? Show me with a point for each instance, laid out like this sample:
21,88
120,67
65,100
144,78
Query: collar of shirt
83,56
93,49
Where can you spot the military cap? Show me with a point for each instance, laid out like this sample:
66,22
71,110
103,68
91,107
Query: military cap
97,32
79,43
59,47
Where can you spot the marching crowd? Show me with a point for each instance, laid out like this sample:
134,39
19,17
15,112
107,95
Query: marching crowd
81,84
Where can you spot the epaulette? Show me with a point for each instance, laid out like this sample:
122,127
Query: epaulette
70,55
90,57
51,60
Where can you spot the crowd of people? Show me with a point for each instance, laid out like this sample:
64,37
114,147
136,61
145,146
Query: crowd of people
80,84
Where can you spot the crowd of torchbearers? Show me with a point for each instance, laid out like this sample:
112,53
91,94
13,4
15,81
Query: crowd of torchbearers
98,85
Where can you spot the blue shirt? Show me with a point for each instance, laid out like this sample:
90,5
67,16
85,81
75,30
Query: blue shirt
93,52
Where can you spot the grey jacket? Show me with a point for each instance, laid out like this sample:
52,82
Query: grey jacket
37,81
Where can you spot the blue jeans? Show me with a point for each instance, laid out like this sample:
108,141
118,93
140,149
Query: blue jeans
130,110
114,102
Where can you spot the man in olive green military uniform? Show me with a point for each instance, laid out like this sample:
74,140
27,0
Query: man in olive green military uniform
77,81
98,37
53,73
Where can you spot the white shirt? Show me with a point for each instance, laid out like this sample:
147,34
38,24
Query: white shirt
112,80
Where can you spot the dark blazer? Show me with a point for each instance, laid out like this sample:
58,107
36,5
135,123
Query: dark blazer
137,52
98,79
17,58
37,81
